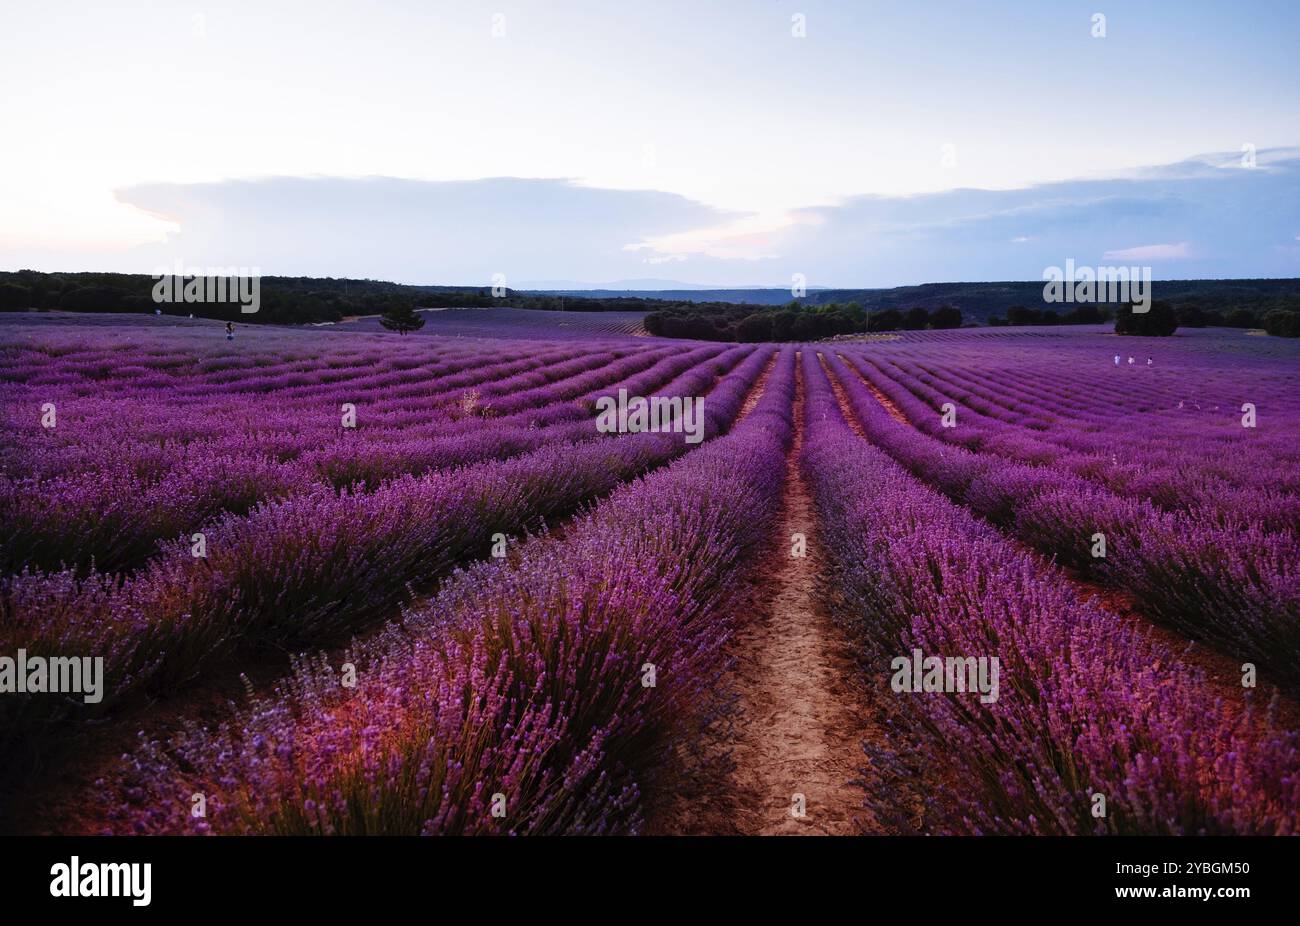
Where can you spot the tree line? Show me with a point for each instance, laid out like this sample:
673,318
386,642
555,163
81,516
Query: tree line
302,300
1278,316
284,300
796,321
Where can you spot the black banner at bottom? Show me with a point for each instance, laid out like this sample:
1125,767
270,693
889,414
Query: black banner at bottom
333,876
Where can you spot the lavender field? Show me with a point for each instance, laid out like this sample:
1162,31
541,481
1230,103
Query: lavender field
331,580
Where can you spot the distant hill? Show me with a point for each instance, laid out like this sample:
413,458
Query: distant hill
283,300
976,301
566,287
299,300
765,296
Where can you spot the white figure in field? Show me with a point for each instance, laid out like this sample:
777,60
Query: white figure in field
1117,360
1130,361
1148,361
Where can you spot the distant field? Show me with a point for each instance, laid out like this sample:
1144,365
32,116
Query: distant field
518,323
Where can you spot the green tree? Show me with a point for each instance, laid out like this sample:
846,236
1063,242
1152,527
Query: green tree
14,297
1160,320
1018,315
916,318
888,320
1282,323
755,328
1242,318
783,325
402,318
945,317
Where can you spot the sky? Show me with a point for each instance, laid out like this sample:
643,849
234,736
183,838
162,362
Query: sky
720,143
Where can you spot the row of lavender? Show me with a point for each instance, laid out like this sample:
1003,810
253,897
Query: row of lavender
1094,728
1184,462
531,697
1235,585
115,514
1106,414
398,392
320,564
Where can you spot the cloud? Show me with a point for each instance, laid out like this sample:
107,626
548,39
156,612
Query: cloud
1210,216
1226,221
413,230
1151,252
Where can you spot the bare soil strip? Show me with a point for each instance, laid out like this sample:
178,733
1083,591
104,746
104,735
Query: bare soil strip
802,713
894,411
846,408
760,386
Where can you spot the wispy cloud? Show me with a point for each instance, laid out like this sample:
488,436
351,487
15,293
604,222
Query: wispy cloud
1210,216
1199,218
414,230
1151,252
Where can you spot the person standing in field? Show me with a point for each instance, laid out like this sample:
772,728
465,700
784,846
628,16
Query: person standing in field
230,331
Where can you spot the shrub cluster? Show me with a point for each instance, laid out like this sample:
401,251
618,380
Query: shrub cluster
796,321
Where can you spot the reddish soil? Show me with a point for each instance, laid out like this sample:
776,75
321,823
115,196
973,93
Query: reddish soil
801,712
842,398
894,411
760,385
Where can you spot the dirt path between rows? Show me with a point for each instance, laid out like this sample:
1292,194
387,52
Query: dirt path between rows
760,386
890,406
801,710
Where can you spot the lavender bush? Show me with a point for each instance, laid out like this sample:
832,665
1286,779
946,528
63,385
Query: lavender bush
1088,706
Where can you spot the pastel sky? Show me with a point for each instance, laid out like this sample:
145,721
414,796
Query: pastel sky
444,142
